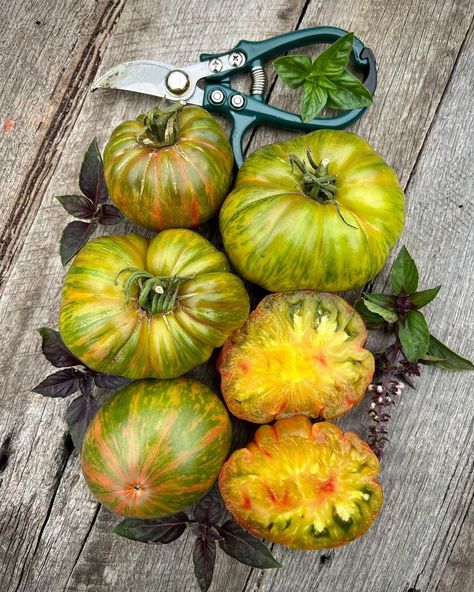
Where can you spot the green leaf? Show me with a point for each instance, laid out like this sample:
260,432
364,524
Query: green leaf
313,101
446,358
369,317
388,315
246,548
349,93
420,299
162,530
381,299
333,61
404,273
414,335
293,70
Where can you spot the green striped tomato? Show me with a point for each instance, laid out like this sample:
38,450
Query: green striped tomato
155,447
324,219
169,173
149,309
302,485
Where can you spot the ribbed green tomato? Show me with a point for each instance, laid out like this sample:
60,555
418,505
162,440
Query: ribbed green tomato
302,485
155,447
320,211
149,309
169,169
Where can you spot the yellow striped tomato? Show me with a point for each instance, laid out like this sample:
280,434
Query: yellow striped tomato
155,447
302,485
149,309
320,211
169,169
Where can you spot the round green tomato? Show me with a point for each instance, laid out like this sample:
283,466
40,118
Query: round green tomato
155,447
149,309
320,211
169,173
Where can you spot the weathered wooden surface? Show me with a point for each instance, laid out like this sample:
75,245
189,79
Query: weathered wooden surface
53,536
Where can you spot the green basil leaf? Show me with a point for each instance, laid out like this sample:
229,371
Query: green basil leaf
420,299
293,70
388,315
414,335
349,93
381,299
372,319
322,81
404,273
446,358
313,101
333,61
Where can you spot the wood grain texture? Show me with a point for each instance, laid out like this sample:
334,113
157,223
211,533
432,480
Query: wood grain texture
53,537
46,64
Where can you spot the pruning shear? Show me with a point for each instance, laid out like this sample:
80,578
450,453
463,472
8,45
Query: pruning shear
217,95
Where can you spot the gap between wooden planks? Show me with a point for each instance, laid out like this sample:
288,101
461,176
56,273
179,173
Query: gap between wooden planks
66,516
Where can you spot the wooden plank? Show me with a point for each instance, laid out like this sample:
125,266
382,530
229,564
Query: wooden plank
44,61
421,540
51,535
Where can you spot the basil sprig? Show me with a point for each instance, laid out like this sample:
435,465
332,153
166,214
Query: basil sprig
400,311
326,81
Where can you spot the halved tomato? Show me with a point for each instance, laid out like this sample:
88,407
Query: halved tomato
302,485
298,353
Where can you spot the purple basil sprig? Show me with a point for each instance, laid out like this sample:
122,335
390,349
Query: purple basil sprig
414,345
210,524
73,377
91,205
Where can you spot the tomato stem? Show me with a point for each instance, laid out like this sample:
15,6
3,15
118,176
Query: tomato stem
156,294
318,184
162,126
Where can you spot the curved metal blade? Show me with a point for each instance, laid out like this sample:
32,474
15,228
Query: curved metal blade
141,76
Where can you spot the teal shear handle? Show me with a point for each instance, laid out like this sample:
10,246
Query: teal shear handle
247,111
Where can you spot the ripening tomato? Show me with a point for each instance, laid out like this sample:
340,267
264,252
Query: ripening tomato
320,211
149,309
169,169
302,485
155,447
298,353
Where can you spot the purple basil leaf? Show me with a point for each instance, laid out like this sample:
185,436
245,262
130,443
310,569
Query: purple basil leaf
74,237
164,530
243,546
78,206
54,349
204,557
109,381
109,214
60,384
205,532
91,178
78,416
209,509
85,385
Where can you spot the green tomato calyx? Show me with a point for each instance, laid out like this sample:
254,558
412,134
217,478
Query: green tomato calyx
318,184
161,126
156,294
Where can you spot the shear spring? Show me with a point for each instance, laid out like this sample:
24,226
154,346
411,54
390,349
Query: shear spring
258,80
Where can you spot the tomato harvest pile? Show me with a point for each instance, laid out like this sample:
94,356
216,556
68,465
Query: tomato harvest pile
305,218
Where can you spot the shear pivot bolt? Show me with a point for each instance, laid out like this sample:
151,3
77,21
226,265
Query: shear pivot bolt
215,65
217,97
177,82
236,59
237,101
